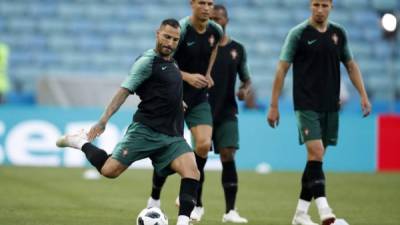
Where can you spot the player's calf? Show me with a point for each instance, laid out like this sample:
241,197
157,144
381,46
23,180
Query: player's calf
187,199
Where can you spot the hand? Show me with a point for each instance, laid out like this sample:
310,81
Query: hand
197,80
210,81
96,130
273,117
365,106
243,93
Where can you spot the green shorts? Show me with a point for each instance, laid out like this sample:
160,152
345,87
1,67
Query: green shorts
199,115
141,141
314,125
226,135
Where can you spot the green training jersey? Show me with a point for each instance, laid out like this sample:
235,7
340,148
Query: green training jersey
231,61
158,83
193,56
316,61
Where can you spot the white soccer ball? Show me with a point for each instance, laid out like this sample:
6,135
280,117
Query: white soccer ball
152,216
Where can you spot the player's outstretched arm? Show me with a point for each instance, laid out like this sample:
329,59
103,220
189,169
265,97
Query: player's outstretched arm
273,112
194,79
118,99
355,76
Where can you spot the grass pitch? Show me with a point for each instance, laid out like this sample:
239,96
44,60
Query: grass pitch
60,196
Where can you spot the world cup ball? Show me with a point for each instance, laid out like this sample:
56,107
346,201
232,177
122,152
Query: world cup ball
151,216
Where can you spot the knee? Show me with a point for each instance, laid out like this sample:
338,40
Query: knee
316,154
109,173
196,174
227,155
203,145
192,172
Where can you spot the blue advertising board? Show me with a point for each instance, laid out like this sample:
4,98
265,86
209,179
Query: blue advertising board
28,135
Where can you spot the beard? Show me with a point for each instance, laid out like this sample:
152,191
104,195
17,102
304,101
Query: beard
319,19
164,51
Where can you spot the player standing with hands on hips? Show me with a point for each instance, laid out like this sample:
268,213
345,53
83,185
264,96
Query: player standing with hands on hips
315,48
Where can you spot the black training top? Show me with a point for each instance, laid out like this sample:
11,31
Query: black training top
231,61
316,61
193,56
158,83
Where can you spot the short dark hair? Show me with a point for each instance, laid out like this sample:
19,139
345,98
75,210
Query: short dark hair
171,22
221,7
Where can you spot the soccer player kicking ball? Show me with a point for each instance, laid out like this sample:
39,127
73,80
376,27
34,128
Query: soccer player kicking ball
195,56
316,47
231,61
157,128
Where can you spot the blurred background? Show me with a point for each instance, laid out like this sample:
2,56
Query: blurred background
61,62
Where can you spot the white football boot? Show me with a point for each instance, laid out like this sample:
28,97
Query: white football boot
327,216
183,220
302,218
153,203
233,217
197,213
73,140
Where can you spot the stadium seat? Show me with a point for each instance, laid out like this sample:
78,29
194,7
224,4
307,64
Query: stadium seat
373,33
356,4
104,37
381,50
295,4
342,17
365,19
300,15
385,4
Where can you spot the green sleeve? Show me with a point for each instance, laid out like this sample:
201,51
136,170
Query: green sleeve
218,28
243,70
290,46
140,71
345,53
183,23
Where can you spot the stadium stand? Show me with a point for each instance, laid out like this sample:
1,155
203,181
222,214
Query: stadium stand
98,38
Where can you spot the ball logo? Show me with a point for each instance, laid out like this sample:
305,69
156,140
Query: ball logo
234,54
335,38
211,40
